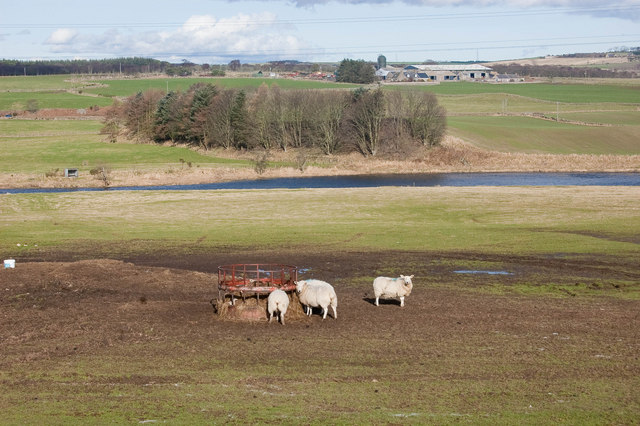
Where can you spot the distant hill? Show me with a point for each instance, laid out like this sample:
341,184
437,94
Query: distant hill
565,61
593,65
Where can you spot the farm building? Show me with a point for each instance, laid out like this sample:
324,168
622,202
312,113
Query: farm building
388,73
436,73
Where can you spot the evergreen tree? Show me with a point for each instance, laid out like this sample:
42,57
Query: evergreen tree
355,71
240,120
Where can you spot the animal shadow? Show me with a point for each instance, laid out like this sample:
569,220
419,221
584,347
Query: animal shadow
372,301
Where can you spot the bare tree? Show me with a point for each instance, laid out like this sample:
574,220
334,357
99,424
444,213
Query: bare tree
113,122
329,112
427,120
102,172
139,113
366,114
295,115
218,127
278,117
397,112
261,115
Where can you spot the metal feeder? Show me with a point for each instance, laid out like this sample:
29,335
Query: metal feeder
255,279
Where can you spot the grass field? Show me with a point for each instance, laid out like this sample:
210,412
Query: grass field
103,340
594,119
39,83
505,103
18,101
533,135
491,220
38,146
566,93
131,87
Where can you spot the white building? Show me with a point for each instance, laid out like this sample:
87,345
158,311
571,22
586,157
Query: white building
435,73
452,72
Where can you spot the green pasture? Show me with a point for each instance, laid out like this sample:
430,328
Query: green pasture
40,146
570,93
534,135
123,88
37,83
51,91
617,118
504,103
187,386
489,220
471,108
10,129
19,101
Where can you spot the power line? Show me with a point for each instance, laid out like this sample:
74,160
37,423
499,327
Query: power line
333,20
377,49
367,50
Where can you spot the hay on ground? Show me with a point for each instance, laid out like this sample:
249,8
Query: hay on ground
254,309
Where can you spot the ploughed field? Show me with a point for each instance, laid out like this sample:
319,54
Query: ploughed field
137,340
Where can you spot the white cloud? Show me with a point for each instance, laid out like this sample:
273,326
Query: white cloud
203,37
62,36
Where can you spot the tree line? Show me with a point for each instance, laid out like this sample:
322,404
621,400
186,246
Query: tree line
133,65
367,121
562,71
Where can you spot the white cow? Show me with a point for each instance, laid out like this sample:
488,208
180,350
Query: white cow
392,288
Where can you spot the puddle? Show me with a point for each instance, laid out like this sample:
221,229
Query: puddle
483,272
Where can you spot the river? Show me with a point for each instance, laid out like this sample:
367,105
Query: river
365,181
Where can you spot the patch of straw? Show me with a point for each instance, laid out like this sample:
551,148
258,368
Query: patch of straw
254,309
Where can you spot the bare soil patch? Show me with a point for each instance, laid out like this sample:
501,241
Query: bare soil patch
110,302
452,348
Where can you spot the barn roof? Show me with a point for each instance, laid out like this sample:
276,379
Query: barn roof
426,68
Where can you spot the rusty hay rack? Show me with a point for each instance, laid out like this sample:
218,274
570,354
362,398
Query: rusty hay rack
255,279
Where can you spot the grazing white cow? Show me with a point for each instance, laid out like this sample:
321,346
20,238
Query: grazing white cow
392,288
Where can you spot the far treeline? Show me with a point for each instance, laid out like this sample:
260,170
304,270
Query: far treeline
368,121
133,65
564,71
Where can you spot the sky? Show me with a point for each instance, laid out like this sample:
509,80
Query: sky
216,32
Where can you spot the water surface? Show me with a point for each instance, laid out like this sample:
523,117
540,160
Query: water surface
379,180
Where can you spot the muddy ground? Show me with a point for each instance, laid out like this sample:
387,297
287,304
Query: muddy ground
54,308
108,297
